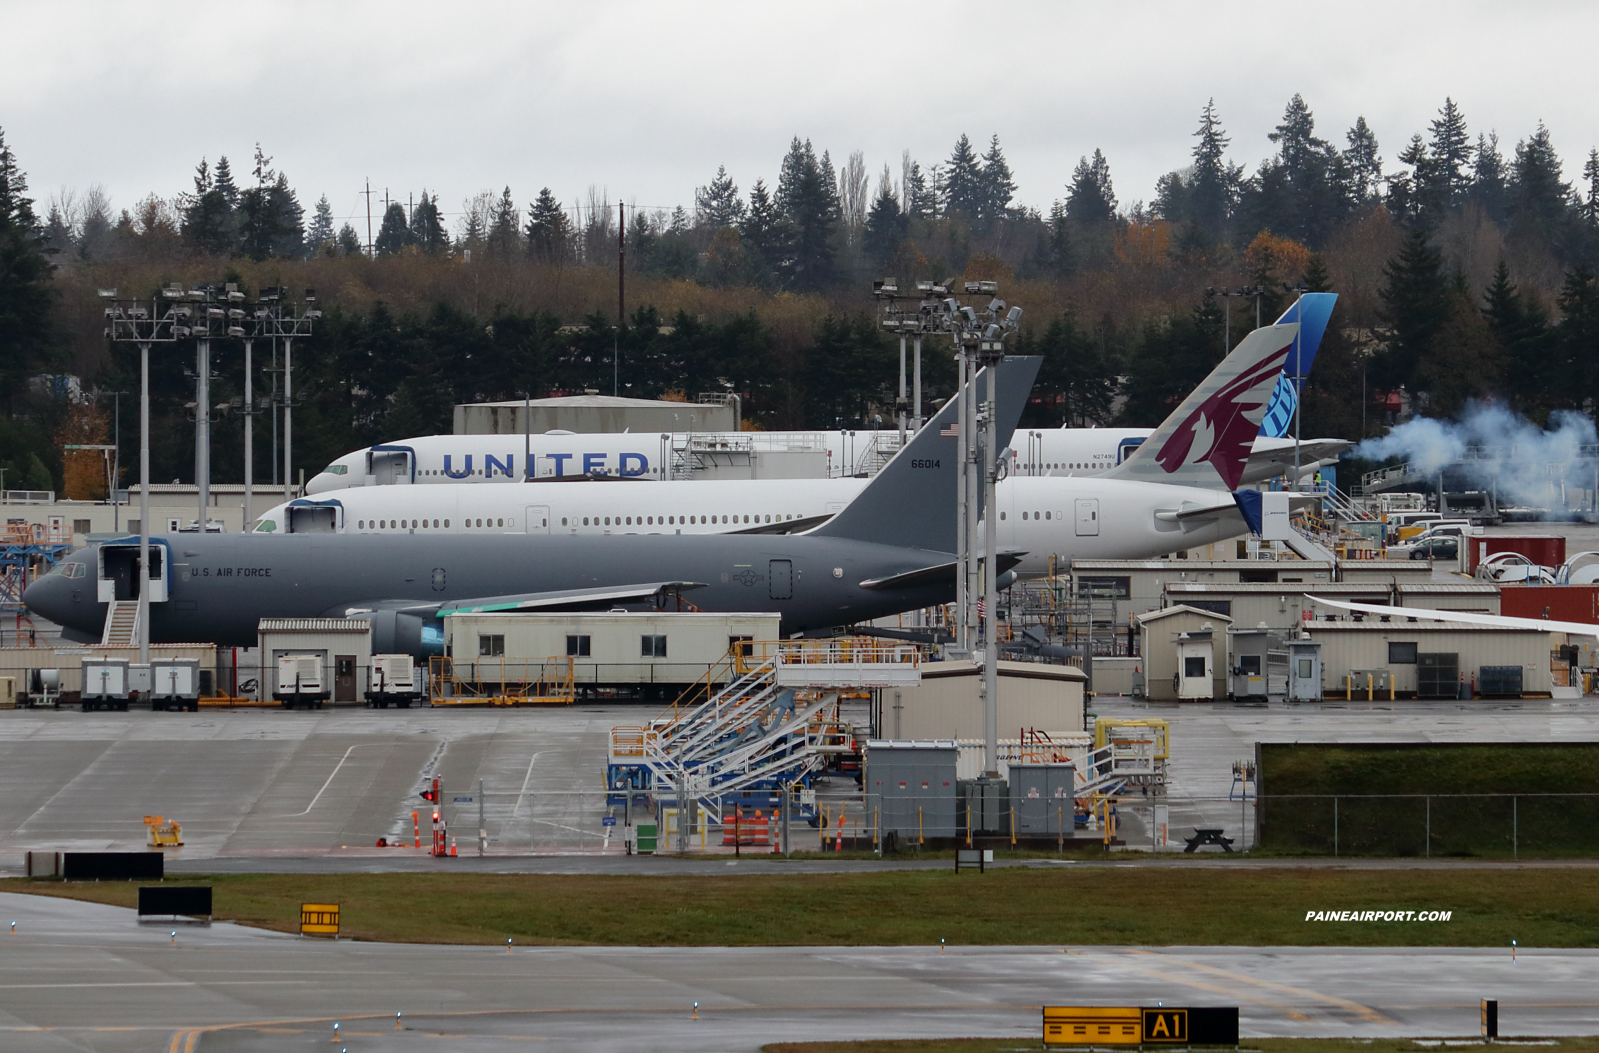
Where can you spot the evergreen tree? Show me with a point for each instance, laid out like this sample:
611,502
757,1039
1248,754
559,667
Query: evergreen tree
208,221
1213,188
1415,305
764,234
549,230
963,182
1364,161
1488,178
807,201
1590,201
920,201
1538,197
394,233
1173,356
718,205
1056,252
1090,197
505,235
1316,277
997,185
1074,374
1450,153
1577,338
427,230
886,227
271,220
350,242
1415,197
57,231
321,230
225,184
1296,139
25,284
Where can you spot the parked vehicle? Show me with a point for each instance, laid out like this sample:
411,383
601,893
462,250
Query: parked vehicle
1441,547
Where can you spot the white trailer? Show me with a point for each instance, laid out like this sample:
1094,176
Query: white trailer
394,679
647,655
105,684
175,684
301,681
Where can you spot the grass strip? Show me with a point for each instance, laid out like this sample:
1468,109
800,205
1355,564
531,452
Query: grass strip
1540,907
1250,1045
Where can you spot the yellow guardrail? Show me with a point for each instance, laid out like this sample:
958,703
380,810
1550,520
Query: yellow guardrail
503,682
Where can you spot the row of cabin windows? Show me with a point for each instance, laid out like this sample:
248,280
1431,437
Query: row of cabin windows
403,524
651,645
1073,466
478,472
669,520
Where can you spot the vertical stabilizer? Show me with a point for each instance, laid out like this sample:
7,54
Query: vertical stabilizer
1207,439
911,502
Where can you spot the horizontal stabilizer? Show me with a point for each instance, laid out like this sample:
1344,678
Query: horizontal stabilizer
932,575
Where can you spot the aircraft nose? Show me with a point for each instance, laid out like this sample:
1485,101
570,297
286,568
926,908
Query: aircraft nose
47,597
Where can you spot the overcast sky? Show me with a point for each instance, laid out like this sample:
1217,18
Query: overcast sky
645,99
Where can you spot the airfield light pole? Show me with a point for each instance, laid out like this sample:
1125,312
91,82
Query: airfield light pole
287,322
133,322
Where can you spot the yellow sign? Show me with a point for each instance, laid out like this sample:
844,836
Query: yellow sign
1093,1025
319,919
1166,1025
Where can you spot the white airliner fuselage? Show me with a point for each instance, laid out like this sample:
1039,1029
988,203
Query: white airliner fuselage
1065,517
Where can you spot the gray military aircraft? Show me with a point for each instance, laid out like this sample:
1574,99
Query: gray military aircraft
889,551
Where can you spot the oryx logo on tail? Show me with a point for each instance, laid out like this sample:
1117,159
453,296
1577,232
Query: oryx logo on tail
1221,430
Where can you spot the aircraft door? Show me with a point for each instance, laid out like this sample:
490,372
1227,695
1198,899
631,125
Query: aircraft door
313,519
1088,517
385,467
780,579
537,519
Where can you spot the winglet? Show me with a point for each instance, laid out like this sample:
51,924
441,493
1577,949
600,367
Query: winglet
1207,440
911,502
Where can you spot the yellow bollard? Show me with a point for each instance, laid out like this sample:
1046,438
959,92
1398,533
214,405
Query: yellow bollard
1370,685
920,840
174,937
877,819
968,826
335,1031
1349,686
696,1010
1013,826
941,945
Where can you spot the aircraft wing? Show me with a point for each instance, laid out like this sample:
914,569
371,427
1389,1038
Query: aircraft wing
1501,621
555,600
792,526
934,573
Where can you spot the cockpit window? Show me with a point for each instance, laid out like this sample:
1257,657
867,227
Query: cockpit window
336,469
70,570
266,526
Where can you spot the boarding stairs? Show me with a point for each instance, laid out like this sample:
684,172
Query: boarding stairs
121,624
775,724
1339,504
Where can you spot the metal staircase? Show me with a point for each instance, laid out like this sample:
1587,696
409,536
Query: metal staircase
774,725
121,624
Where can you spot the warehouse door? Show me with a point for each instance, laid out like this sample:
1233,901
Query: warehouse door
538,519
780,579
1088,517
1437,675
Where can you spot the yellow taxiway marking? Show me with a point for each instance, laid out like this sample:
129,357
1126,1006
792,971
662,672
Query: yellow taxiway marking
1227,992
1365,1012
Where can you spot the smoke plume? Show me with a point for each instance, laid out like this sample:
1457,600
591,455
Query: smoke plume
1520,458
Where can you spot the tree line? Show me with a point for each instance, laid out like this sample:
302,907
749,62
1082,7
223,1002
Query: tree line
1465,270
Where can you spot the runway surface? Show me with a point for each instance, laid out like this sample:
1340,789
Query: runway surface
79,976
272,790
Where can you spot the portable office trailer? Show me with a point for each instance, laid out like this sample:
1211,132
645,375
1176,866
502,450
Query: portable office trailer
1032,695
914,783
1159,634
1284,605
1430,659
650,654
342,647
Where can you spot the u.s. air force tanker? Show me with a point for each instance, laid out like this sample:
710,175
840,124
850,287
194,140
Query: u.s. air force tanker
886,552
475,460
1056,517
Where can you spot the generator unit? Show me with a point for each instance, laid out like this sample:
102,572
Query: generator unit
175,684
394,679
302,681
105,684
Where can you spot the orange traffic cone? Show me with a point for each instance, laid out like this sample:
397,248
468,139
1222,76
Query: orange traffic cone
452,846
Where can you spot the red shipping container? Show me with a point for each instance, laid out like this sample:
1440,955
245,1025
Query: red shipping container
1546,550
1561,603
